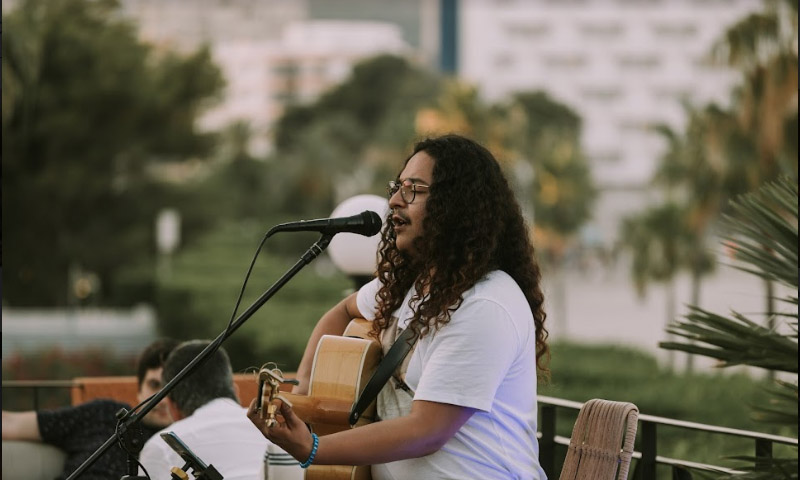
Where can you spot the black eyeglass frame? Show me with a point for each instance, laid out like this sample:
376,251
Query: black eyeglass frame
407,188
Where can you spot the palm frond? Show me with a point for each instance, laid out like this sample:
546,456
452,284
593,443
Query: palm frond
782,408
763,230
734,340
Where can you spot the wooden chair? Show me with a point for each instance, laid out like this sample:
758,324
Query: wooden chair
602,441
124,388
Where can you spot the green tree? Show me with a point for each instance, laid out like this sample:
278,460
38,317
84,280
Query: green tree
364,124
87,111
563,191
661,243
763,232
685,173
763,119
545,135
723,153
763,47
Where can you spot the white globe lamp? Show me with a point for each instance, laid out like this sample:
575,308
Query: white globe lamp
353,254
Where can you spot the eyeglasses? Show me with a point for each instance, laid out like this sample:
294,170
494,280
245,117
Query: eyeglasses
408,189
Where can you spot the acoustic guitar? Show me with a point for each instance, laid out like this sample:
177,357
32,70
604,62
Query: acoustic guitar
342,367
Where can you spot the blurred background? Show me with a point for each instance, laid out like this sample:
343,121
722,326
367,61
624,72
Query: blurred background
148,145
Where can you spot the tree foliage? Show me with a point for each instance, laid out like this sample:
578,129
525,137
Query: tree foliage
87,109
357,125
763,232
723,153
763,47
548,136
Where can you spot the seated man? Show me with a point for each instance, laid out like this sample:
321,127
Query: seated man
81,429
208,418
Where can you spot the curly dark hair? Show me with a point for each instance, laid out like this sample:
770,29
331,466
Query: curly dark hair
473,225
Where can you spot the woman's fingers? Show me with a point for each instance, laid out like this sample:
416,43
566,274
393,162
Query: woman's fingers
255,416
288,431
251,410
292,420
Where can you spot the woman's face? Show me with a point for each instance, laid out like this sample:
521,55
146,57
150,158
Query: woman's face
407,217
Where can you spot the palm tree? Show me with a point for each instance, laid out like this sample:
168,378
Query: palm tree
658,240
687,171
763,46
763,232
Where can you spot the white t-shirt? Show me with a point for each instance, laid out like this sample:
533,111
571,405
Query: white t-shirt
485,359
220,434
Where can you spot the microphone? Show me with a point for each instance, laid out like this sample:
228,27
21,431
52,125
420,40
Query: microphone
366,223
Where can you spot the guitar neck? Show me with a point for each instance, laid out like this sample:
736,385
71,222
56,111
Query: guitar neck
317,410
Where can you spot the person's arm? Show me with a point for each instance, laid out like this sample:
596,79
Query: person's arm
424,431
333,322
21,426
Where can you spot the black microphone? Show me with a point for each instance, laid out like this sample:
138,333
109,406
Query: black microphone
366,223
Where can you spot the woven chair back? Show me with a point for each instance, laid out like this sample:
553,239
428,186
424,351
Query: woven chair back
602,441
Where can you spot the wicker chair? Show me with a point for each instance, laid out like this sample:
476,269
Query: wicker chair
602,441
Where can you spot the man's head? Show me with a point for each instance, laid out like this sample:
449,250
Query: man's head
457,194
212,380
148,376
462,222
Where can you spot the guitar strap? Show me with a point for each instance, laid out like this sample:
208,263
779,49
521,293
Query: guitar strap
394,357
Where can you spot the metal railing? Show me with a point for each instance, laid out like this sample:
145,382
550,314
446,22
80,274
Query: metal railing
37,387
647,457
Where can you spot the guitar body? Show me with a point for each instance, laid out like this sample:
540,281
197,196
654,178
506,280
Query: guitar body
342,367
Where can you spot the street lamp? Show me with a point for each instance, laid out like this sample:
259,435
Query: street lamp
168,236
353,254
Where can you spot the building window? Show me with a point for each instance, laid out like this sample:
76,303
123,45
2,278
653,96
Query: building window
601,30
288,68
566,60
704,61
604,94
638,60
523,31
504,61
671,93
671,31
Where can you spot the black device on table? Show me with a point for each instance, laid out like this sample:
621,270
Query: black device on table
199,469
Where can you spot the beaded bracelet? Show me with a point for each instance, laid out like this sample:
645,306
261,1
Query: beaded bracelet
313,453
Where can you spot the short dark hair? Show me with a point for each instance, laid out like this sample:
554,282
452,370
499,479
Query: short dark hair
211,380
153,357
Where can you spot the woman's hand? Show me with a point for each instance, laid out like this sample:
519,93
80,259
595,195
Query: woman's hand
289,433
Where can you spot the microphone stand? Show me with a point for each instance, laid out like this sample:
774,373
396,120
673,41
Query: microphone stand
129,418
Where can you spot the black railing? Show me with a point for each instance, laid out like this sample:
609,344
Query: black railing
647,458
37,386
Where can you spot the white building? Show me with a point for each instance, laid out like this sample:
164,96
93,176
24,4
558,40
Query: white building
622,65
187,24
270,55
308,58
